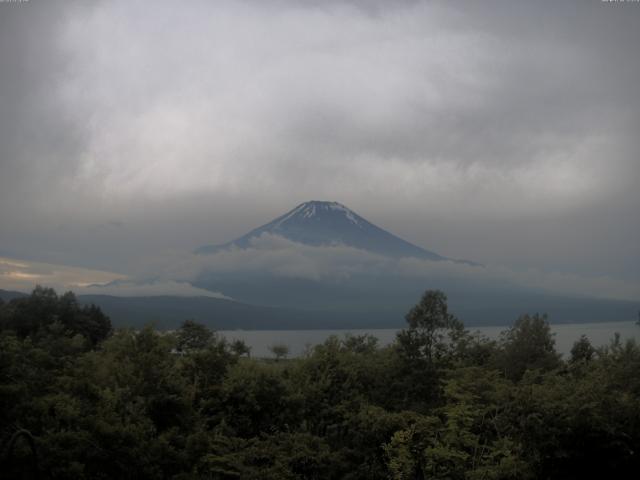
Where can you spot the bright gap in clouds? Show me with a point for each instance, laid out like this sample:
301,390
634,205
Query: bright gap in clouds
23,276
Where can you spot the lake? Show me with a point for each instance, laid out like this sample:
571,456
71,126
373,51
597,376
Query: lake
299,340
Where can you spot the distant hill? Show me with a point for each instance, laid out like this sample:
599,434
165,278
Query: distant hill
483,308
7,295
170,311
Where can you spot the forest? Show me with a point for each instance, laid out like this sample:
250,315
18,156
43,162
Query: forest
79,399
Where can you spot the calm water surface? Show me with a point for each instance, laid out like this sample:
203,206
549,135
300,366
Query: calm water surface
299,340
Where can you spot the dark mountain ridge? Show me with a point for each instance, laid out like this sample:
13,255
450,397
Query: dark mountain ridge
167,312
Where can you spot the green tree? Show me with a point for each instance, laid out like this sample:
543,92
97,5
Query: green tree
582,350
279,350
204,370
431,344
433,331
365,344
462,438
528,345
192,336
256,398
240,348
37,314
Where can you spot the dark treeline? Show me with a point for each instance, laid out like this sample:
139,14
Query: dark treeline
79,400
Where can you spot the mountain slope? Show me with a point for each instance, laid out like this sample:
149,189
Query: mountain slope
381,296
320,223
8,295
474,308
167,312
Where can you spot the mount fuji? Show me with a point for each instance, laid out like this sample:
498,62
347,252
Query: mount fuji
299,284
378,295
320,223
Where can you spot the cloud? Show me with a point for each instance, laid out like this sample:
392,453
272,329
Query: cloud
174,273
557,283
23,275
149,289
280,257
417,101
269,254
132,127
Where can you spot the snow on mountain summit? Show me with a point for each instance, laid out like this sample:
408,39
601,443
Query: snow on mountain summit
319,223
317,209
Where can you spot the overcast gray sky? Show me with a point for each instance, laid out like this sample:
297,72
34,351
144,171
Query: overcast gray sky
502,132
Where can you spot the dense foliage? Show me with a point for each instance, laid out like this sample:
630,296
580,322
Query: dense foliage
78,400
